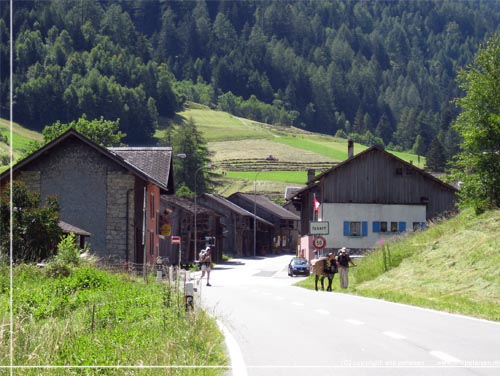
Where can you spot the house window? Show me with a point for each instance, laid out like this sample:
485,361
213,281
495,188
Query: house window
355,228
394,227
152,206
399,171
151,242
383,226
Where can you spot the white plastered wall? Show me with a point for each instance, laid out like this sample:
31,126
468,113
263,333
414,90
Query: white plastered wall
336,214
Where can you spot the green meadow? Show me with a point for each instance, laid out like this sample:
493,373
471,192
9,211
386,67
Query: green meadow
452,266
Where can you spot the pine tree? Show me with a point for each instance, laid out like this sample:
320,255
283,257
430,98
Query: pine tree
188,139
436,158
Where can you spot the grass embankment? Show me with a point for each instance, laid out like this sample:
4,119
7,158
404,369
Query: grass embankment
453,266
93,318
21,137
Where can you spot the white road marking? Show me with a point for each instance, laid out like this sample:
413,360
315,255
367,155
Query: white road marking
447,358
322,311
394,335
238,365
354,322
279,298
298,303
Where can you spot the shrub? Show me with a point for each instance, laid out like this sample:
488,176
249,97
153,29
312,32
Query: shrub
68,252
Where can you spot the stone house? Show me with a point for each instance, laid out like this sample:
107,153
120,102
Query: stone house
111,193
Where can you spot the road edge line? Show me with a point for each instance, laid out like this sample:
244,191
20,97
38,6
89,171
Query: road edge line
238,365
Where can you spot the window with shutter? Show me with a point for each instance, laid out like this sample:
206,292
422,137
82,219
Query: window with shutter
346,228
402,226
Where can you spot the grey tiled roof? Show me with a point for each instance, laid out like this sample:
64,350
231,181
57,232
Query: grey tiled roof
67,228
235,208
153,161
290,192
188,205
264,203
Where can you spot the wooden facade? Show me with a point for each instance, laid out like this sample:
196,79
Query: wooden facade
374,180
283,236
177,218
237,234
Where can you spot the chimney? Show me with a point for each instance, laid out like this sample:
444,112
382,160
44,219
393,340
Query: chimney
310,175
350,148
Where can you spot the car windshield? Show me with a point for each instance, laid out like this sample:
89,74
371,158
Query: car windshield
299,261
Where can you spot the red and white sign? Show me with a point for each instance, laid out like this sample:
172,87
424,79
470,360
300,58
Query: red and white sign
319,242
176,240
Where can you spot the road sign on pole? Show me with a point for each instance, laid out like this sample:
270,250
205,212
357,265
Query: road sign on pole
319,228
319,242
176,240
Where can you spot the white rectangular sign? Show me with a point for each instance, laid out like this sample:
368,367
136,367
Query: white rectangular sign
319,228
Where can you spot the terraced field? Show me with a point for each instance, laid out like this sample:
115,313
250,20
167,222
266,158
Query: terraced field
254,156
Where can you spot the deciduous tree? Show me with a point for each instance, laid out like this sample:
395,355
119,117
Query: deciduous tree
35,231
478,165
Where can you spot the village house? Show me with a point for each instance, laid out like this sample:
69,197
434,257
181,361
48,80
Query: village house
237,233
282,236
366,200
112,194
177,218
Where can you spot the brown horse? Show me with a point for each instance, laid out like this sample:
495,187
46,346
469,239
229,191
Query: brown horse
324,267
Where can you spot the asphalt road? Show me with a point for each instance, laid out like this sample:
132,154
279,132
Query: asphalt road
274,328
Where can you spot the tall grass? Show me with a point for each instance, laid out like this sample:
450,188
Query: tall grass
94,319
452,266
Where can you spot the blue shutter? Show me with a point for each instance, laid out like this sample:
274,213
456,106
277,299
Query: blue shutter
423,225
364,228
402,227
346,228
376,226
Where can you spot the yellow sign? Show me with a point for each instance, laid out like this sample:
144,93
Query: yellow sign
166,230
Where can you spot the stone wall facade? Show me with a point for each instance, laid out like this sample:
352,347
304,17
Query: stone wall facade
120,215
92,192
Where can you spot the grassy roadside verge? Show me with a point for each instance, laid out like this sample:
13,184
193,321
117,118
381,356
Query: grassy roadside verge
453,266
93,318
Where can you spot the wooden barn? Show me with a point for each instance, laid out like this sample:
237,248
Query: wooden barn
367,198
177,218
237,234
282,237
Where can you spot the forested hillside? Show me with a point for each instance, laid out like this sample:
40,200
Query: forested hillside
380,71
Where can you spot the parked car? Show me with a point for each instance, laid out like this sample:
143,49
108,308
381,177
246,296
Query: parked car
298,266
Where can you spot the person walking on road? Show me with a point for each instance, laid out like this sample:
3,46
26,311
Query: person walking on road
206,263
343,261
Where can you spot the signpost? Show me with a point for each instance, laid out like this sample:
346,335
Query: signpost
166,230
319,228
177,240
319,242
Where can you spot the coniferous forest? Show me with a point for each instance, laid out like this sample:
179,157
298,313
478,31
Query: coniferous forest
379,71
